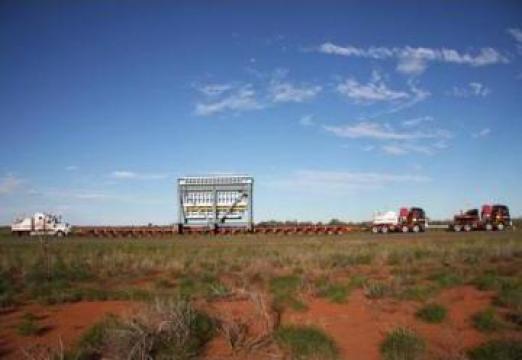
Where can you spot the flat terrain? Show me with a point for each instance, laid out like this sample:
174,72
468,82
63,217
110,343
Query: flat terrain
435,295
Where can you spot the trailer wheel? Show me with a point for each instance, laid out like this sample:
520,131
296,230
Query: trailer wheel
375,229
467,228
500,227
457,228
416,228
489,227
384,229
405,229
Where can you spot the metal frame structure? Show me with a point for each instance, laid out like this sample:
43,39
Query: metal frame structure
215,201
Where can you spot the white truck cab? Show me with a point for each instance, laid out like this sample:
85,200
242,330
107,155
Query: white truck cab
41,224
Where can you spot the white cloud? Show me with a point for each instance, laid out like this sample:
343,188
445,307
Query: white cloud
307,120
517,35
71,168
406,149
416,121
482,133
236,100
377,131
414,60
215,89
374,90
130,175
9,184
287,92
343,179
472,89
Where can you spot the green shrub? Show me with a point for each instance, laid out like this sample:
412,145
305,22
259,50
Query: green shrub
446,279
336,293
432,313
497,350
166,330
29,325
487,321
376,289
402,344
306,343
284,290
417,292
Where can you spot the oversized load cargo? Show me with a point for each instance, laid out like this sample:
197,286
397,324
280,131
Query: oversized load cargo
413,219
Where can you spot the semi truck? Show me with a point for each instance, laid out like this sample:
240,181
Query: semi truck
41,224
491,217
408,220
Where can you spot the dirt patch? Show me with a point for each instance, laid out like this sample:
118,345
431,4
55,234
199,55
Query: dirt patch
359,326
65,323
246,325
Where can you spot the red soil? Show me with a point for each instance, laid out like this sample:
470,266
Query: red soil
65,322
359,326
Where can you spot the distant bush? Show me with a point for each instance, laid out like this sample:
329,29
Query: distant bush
402,344
497,350
306,343
432,313
29,325
487,321
166,330
376,289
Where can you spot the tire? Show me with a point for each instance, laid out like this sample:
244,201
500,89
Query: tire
405,229
500,227
489,227
384,229
375,229
416,228
457,228
467,228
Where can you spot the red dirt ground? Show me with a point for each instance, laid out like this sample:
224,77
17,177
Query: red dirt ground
67,321
357,326
360,325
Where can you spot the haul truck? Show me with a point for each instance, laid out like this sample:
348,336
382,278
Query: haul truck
413,219
492,217
41,224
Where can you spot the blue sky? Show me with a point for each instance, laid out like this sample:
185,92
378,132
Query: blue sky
336,108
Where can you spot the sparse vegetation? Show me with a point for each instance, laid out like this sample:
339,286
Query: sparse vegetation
402,344
497,350
28,325
306,343
376,289
487,321
165,330
432,313
288,271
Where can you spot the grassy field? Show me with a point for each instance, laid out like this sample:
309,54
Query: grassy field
290,273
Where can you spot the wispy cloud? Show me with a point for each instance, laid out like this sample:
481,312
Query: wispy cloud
482,133
373,130
517,35
472,89
339,180
215,89
416,121
71,168
9,184
288,92
375,90
405,149
130,175
237,100
414,60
